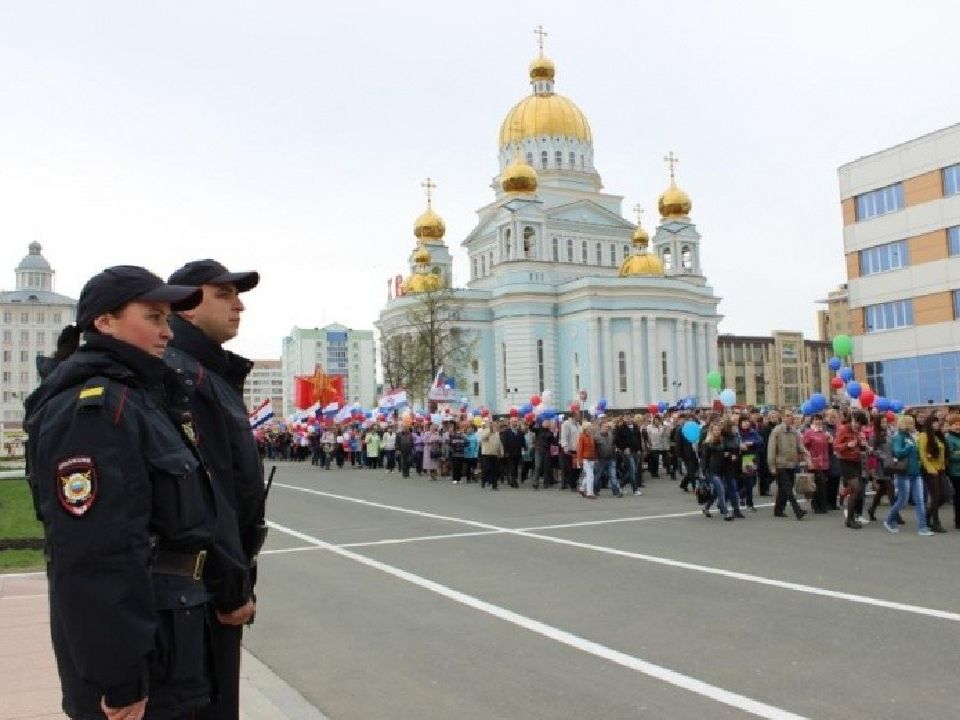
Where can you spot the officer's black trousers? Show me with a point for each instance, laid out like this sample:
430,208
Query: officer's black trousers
225,643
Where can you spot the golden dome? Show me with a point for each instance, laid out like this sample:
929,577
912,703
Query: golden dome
674,202
421,255
544,116
641,236
423,282
641,264
518,176
542,68
429,226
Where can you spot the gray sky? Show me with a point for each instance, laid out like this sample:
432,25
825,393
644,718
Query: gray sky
292,137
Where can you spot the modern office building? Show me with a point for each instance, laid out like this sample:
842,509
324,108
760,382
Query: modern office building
834,319
901,236
781,370
31,318
265,382
338,350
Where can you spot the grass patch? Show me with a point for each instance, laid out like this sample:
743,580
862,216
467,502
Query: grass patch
18,522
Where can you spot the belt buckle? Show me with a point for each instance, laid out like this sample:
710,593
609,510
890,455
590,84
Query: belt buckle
198,566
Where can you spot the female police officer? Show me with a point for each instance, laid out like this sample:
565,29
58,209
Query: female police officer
126,507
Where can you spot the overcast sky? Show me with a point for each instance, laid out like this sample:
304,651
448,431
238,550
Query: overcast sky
292,137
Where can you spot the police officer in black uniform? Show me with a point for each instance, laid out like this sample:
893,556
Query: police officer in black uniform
127,507
228,448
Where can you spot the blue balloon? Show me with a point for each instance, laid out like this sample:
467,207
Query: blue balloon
662,406
548,414
818,402
475,412
896,406
691,431
853,389
834,364
728,398
846,374
525,408
881,404
602,404
806,408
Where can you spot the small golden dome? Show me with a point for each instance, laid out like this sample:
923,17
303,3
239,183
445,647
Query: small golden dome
544,116
641,236
674,202
518,176
429,226
423,282
542,68
641,264
421,255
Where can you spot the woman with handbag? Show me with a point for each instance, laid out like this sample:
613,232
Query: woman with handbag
906,473
932,447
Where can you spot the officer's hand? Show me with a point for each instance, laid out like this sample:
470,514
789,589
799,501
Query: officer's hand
128,712
240,616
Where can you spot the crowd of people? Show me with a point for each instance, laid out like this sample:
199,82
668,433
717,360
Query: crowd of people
834,457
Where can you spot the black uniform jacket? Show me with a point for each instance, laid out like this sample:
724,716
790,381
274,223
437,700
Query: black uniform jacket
227,446
114,482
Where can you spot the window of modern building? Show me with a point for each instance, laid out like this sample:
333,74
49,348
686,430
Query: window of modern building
569,249
888,315
24,337
5,376
24,355
41,317
880,201
583,252
951,180
8,317
24,317
6,356
956,304
540,370
882,258
622,367
57,318
556,250
953,240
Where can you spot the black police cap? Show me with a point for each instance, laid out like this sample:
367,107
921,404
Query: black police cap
210,272
110,290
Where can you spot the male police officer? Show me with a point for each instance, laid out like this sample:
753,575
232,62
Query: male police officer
227,447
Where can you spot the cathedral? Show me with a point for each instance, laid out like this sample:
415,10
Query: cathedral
564,293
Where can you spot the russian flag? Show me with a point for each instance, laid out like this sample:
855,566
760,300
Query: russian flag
263,413
330,409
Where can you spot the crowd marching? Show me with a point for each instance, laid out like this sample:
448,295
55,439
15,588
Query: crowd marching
724,458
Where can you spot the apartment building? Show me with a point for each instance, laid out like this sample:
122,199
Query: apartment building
265,382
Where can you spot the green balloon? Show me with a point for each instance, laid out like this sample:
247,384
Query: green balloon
842,345
714,380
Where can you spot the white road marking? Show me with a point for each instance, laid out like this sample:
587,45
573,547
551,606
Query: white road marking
668,562
740,702
281,551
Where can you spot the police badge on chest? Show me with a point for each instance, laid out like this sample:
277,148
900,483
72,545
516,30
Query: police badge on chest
76,484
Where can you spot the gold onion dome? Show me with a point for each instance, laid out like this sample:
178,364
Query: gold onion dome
518,176
423,282
429,226
641,236
641,264
674,202
421,255
544,113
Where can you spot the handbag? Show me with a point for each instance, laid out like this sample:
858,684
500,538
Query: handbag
804,484
897,466
704,493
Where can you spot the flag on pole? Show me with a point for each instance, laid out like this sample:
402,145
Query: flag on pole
263,413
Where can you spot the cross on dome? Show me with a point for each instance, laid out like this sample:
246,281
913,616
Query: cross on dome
541,34
672,161
638,209
429,186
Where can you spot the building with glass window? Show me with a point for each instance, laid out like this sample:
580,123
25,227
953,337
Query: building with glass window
31,318
781,370
264,382
338,350
835,318
901,234
564,293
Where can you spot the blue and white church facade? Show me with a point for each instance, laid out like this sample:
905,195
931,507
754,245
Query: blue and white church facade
564,293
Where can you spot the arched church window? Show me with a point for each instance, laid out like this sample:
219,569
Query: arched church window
474,268
626,250
556,250
543,159
491,261
573,160
613,254
599,250
569,249
506,243
581,161
686,258
667,260
530,158
583,252
558,157
483,265
529,238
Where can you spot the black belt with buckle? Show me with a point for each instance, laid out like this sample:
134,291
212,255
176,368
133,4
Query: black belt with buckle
182,564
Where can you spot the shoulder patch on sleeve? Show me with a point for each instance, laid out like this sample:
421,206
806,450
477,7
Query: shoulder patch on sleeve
76,484
91,392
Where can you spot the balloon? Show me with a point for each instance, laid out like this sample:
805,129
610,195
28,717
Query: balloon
548,414
485,413
806,409
896,406
662,406
475,412
602,404
836,382
529,418
842,345
691,431
834,364
514,412
867,396
853,389
526,408
574,406
534,400
881,404
478,421
846,374
653,408
728,397
891,416
714,380
818,402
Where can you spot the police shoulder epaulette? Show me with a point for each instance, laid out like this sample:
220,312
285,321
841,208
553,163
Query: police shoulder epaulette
93,393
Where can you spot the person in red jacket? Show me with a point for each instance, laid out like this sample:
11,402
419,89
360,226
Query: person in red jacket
849,445
817,442
585,459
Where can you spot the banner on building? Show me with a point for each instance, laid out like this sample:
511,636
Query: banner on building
317,388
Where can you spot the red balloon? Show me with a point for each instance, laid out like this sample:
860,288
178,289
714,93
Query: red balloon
485,413
653,408
534,400
574,406
891,416
514,412
836,383
866,398
530,418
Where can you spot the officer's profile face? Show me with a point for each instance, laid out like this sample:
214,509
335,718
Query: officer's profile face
218,315
145,325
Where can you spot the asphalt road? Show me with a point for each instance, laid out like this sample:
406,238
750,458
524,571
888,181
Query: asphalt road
382,597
